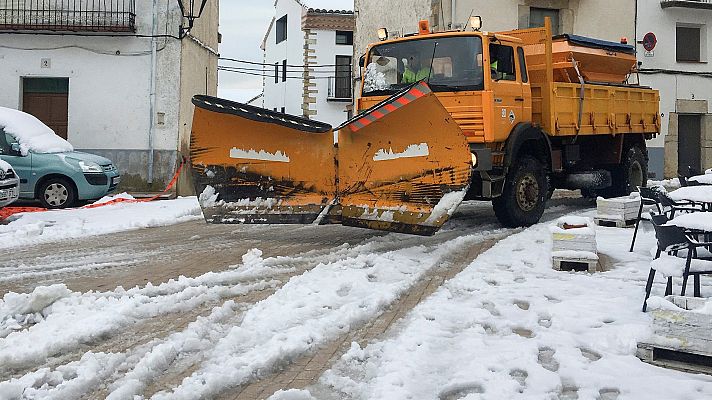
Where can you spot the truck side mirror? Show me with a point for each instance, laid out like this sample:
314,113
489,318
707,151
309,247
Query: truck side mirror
362,61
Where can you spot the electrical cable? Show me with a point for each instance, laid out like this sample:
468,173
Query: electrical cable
267,75
269,70
268,64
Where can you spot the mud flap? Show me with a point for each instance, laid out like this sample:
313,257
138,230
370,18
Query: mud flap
404,165
252,165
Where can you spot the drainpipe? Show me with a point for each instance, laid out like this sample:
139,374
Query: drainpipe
152,119
453,12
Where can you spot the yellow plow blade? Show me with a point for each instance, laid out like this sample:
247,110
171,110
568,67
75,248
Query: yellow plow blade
252,165
404,165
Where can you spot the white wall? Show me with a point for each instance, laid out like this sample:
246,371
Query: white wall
663,23
285,94
108,93
331,112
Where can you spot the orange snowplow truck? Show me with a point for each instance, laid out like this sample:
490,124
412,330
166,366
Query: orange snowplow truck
443,117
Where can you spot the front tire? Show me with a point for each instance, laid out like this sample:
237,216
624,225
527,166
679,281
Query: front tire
524,196
57,193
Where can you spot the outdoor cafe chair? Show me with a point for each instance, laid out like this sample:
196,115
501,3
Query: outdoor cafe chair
648,197
670,206
677,255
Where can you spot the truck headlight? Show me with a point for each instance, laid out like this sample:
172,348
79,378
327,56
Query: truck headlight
474,159
90,167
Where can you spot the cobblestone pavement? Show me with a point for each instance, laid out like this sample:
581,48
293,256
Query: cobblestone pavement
191,249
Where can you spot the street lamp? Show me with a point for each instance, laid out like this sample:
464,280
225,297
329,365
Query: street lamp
192,10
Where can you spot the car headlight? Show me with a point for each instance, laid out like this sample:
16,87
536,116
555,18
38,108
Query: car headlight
90,167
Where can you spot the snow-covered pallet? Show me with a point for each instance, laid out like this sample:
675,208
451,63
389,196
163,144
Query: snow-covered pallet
615,223
574,245
682,338
574,264
619,212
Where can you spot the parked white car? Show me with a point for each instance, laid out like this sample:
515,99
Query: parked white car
9,184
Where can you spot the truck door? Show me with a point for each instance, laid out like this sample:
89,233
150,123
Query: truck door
507,90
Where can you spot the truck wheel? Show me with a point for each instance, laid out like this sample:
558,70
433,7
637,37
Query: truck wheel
632,172
57,193
524,196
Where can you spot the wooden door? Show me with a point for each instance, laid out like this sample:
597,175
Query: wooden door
48,100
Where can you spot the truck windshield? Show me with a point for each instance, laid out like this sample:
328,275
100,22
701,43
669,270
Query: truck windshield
456,65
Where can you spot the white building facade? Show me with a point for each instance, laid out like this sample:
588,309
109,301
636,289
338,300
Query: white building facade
308,57
114,79
680,35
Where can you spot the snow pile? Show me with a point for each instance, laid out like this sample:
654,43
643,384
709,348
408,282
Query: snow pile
509,327
31,133
292,394
209,197
446,207
698,220
107,199
52,226
4,166
675,266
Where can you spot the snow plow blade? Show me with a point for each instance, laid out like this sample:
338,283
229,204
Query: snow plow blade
255,166
404,165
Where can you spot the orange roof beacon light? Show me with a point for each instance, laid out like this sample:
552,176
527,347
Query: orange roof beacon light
382,34
423,27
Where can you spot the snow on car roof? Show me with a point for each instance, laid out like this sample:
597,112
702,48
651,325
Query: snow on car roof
4,166
31,133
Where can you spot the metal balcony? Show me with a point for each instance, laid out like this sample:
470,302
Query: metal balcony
339,88
68,15
699,4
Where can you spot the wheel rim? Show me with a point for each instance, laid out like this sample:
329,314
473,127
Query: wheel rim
635,175
528,193
56,194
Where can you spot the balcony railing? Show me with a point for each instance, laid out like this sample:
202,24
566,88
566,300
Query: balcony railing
339,88
700,4
68,15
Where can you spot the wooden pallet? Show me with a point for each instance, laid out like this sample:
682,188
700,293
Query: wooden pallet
681,360
615,223
577,265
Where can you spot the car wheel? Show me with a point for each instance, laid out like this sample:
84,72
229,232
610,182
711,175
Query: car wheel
57,193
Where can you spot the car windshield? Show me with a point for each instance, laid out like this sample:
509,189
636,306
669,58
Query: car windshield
449,64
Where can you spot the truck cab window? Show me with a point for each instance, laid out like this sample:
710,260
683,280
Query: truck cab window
502,62
449,64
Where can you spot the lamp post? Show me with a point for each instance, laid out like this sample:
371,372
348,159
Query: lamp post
192,10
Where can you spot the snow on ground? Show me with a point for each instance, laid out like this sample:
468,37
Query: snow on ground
31,133
51,226
510,327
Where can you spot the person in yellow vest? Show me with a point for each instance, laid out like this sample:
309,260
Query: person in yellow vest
415,70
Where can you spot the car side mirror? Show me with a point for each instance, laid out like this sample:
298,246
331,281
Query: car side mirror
15,147
362,61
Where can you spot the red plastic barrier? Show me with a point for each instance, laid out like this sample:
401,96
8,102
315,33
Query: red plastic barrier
9,211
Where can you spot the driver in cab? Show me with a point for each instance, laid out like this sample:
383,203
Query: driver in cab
415,70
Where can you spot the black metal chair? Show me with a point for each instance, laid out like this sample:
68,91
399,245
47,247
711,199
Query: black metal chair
648,197
670,206
672,240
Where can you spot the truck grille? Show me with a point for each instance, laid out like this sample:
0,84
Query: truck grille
470,119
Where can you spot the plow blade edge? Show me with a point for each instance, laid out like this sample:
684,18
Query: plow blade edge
252,165
404,165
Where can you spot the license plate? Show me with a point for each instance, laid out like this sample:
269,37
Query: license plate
7,193
115,180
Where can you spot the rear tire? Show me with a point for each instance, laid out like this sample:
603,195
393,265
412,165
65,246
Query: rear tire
57,193
631,173
524,196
